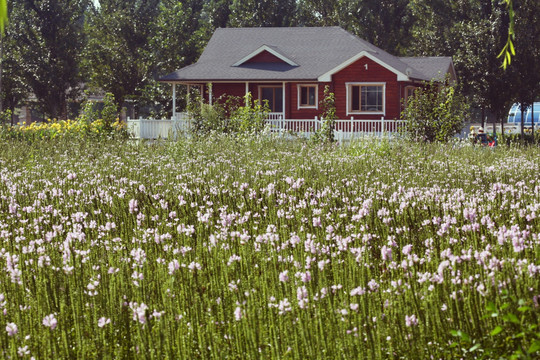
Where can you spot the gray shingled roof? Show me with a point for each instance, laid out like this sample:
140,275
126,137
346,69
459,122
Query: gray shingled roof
433,67
316,50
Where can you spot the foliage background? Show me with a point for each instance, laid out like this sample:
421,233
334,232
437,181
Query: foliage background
55,49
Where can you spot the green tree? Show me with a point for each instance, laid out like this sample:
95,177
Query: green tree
217,13
323,13
3,14
525,70
118,57
49,36
384,23
265,13
178,38
471,31
508,50
13,86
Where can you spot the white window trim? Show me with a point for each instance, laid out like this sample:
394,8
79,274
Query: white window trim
349,100
299,96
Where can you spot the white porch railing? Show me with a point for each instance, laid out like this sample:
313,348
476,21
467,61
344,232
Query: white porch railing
159,128
344,129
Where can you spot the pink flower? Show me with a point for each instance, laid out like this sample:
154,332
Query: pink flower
11,329
407,249
103,321
133,206
386,253
411,320
50,321
238,313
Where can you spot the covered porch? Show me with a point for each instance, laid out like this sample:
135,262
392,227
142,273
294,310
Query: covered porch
275,94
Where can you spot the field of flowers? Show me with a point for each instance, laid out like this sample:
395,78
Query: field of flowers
261,249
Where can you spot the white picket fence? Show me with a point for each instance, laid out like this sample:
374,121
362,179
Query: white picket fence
344,129
159,128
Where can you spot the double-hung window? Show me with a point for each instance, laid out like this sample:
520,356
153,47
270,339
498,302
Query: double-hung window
365,98
307,96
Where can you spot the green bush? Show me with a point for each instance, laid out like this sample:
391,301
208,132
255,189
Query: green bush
250,117
109,113
227,115
514,333
435,112
328,117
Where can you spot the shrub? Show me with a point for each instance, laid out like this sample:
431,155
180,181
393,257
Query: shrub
435,112
227,115
250,117
51,129
515,334
328,117
109,114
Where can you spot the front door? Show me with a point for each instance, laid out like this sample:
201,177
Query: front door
274,96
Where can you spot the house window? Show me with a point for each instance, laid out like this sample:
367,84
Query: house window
409,92
307,96
365,98
274,96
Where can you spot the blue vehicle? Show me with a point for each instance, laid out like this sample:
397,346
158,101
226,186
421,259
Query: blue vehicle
514,116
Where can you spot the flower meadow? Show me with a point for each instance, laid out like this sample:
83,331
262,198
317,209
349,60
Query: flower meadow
232,248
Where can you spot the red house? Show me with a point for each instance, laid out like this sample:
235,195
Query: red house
290,68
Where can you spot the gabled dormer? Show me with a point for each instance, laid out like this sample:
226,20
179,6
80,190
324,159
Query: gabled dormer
265,54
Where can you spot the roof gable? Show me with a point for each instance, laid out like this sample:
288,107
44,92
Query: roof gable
265,54
326,77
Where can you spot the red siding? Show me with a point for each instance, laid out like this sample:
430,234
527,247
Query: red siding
305,113
264,57
357,72
221,90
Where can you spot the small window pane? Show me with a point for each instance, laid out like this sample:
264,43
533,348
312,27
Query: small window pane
355,106
307,95
304,95
311,101
278,100
268,94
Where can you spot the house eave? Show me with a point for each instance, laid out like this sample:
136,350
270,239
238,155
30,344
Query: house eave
242,81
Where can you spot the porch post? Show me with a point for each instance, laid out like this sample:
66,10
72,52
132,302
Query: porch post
210,94
188,98
247,92
174,101
284,102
